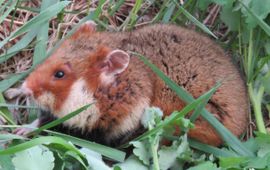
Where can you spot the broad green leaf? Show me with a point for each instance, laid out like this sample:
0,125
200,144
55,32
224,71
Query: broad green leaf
259,21
5,162
75,156
259,162
38,157
132,163
232,162
168,155
206,165
94,160
261,9
203,4
230,17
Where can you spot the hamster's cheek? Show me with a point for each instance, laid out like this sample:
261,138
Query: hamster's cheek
46,101
79,96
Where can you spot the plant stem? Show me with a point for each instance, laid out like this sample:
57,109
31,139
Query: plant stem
256,102
154,148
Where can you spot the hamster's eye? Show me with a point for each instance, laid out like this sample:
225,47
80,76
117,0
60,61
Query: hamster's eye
59,74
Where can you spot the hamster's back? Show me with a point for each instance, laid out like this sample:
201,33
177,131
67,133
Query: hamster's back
196,63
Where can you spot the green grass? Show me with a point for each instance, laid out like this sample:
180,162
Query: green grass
248,39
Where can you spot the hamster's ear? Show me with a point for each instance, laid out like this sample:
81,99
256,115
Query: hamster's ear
87,27
115,62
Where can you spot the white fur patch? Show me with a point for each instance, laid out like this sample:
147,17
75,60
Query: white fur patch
80,96
133,120
46,101
106,79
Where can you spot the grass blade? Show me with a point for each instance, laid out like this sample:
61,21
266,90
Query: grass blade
4,112
10,136
5,84
60,120
103,150
38,141
10,8
116,7
211,149
168,14
194,20
37,21
42,36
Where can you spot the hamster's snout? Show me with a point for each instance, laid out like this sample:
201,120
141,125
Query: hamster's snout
25,90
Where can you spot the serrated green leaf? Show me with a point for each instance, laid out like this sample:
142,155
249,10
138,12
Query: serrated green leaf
141,150
132,163
230,17
94,160
261,9
151,116
38,157
258,20
168,155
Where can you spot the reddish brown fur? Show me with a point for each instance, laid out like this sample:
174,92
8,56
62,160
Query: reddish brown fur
190,59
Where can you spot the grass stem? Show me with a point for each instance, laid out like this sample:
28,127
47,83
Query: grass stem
256,100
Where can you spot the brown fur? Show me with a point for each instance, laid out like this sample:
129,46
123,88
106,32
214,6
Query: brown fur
190,59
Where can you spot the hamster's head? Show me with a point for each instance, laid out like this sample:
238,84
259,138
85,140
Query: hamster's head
50,83
67,80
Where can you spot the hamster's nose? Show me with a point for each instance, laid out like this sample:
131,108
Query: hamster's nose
25,90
